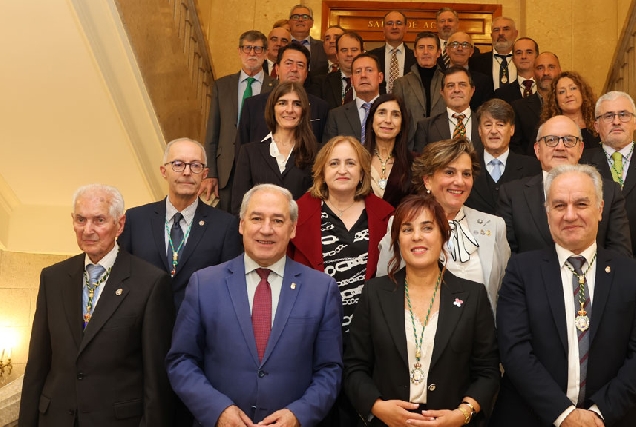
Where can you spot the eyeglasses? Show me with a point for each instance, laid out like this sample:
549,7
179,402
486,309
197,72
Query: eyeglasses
623,116
392,23
299,16
179,166
248,48
569,141
455,45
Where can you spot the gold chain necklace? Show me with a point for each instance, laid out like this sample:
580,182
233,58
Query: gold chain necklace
383,163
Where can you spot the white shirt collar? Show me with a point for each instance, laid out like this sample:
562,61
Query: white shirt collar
466,113
502,157
258,76
107,260
624,151
188,213
278,267
400,47
359,101
563,254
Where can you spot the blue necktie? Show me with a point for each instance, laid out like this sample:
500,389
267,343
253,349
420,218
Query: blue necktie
176,236
363,135
94,273
496,169
584,338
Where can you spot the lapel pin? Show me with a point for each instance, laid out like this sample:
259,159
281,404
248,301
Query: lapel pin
293,286
201,222
480,221
458,302
608,269
119,291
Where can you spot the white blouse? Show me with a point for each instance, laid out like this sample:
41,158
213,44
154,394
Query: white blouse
418,392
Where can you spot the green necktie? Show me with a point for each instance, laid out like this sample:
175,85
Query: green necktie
617,167
248,89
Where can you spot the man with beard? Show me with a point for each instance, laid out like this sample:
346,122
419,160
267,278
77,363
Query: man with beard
498,63
528,110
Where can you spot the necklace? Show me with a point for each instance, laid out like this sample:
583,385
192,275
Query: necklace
417,375
621,182
175,251
383,163
339,210
582,322
91,293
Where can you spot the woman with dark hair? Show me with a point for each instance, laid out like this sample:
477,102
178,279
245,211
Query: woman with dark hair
477,249
387,132
422,343
285,156
572,97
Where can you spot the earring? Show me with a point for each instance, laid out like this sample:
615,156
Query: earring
428,191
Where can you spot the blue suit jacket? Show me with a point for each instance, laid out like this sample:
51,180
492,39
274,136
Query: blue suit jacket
213,361
214,238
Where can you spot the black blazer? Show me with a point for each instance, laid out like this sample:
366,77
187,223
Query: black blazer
509,92
483,89
482,63
522,206
485,193
436,128
112,373
527,115
213,239
534,347
331,89
343,120
252,126
409,61
464,361
255,166
597,158
318,61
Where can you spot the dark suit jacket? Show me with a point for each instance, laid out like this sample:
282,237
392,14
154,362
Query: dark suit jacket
464,360
213,239
485,193
534,346
306,247
522,206
343,120
436,128
440,60
331,89
222,123
112,373
597,158
255,166
481,63
411,89
483,89
527,115
213,362
252,126
409,61
509,92
318,61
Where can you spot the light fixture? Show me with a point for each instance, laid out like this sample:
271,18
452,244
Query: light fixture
7,342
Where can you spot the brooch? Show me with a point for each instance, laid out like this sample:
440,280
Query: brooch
458,302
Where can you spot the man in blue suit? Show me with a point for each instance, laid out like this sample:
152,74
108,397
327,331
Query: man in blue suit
258,338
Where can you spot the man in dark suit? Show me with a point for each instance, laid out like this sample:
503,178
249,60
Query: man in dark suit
228,94
421,87
336,87
349,119
521,202
396,59
460,47
292,67
101,330
208,236
528,110
329,45
498,164
447,21
301,20
497,64
615,123
524,53
566,319
258,339
457,120
277,38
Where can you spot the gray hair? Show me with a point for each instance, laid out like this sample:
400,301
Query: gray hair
612,96
584,169
116,200
540,130
293,207
302,6
174,141
501,18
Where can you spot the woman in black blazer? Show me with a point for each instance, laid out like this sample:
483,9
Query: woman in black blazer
285,156
395,369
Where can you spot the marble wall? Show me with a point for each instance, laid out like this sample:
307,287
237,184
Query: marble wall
583,33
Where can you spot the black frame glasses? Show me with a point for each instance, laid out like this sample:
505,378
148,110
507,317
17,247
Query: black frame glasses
248,48
180,166
569,141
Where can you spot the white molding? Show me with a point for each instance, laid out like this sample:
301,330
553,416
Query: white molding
115,60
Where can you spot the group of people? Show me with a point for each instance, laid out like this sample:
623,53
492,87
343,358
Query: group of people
397,241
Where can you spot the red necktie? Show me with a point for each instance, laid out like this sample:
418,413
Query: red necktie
272,73
262,312
348,91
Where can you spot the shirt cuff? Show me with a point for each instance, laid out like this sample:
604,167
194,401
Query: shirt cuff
564,415
594,408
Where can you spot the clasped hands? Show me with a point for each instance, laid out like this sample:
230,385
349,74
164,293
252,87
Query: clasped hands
232,416
395,413
582,418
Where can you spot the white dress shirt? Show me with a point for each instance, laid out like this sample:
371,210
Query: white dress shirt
186,221
401,57
468,120
256,86
361,111
107,262
522,88
503,158
627,152
418,392
471,269
275,280
496,67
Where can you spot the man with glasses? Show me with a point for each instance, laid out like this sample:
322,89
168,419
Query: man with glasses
301,20
498,64
228,94
447,21
615,124
395,57
460,47
522,202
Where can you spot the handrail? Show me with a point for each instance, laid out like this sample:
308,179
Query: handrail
622,73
